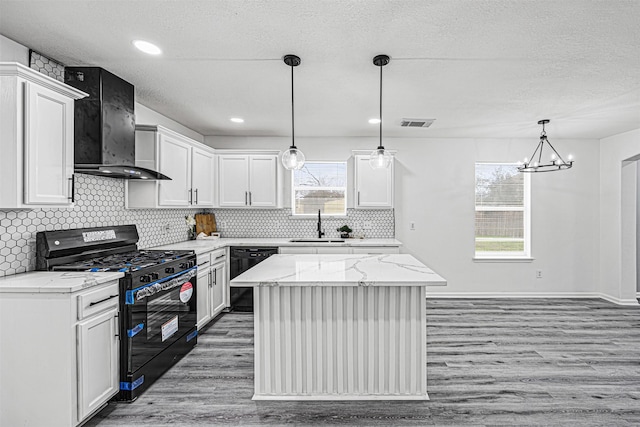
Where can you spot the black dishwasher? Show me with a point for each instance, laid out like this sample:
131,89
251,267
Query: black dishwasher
242,259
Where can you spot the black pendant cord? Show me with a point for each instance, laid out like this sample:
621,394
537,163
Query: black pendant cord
380,147
293,137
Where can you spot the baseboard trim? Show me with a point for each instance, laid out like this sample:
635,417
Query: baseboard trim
619,301
507,295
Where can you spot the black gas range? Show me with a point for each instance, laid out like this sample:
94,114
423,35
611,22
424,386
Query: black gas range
157,296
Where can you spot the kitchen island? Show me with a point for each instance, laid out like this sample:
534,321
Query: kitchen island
340,327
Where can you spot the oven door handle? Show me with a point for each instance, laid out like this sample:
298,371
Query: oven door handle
130,295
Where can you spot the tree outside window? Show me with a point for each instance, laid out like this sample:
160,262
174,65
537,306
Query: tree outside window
320,186
502,211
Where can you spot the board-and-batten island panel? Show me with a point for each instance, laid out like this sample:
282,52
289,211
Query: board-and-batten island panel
340,327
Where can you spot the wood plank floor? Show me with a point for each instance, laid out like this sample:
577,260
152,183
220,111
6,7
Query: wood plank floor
490,362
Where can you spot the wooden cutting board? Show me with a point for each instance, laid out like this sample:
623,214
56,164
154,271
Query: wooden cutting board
205,223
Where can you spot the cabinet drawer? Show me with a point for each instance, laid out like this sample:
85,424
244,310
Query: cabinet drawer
218,255
98,300
203,260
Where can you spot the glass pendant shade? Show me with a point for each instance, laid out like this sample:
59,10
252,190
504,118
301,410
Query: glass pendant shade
380,158
293,159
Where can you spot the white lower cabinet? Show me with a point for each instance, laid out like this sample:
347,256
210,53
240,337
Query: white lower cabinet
339,250
376,250
212,285
60,355
97,361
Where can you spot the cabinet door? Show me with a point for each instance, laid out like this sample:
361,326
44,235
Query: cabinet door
218,295
263,184
297,250
203,296
373,187
202,177
48,147
233,180
175,162
377,250
333,250
97,361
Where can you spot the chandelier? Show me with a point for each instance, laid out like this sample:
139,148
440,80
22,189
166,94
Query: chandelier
535,164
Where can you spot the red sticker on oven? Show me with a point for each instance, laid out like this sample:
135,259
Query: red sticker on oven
186,291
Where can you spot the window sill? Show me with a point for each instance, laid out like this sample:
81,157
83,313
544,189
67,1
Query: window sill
502,259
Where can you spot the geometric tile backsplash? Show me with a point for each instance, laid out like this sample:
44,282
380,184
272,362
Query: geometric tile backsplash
279,223
100,202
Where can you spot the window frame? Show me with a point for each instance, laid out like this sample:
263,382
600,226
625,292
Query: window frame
346,191
525,254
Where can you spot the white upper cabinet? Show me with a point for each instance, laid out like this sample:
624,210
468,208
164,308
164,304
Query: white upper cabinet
203,164
189,164
174,161
248,180
36,139
373,187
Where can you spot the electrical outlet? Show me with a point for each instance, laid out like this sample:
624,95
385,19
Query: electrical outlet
222,224
367,225
538,274
167,228
412,225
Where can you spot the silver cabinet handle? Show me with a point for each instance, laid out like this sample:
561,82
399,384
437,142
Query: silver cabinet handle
246,193
117,319
196,191
219,256
249,198
210,279
73,189
215,277
190,196
358,198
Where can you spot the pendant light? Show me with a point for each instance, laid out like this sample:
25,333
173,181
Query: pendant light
556,162
292,158
380,158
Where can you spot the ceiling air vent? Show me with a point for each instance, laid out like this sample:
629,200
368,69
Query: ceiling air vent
416,123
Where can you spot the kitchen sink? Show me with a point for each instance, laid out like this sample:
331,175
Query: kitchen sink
316,241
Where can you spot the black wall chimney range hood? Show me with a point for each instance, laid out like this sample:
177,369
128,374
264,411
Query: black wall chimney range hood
104,124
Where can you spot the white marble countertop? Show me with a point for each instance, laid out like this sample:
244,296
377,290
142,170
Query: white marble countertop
201,246
339,270
55,281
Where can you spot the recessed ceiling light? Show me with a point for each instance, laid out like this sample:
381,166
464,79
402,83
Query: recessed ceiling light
374,121
236,120
147,47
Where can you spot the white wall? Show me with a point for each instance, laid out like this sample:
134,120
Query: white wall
435,189
617,153
147,116
11,51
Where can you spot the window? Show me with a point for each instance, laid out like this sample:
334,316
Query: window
502,211
319,185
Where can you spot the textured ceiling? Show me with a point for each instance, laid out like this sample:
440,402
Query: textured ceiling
479,67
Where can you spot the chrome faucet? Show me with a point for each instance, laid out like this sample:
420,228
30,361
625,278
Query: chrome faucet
320,232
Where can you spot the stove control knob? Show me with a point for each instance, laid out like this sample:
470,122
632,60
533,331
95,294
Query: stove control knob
154,276
184,265
169,270
145,278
